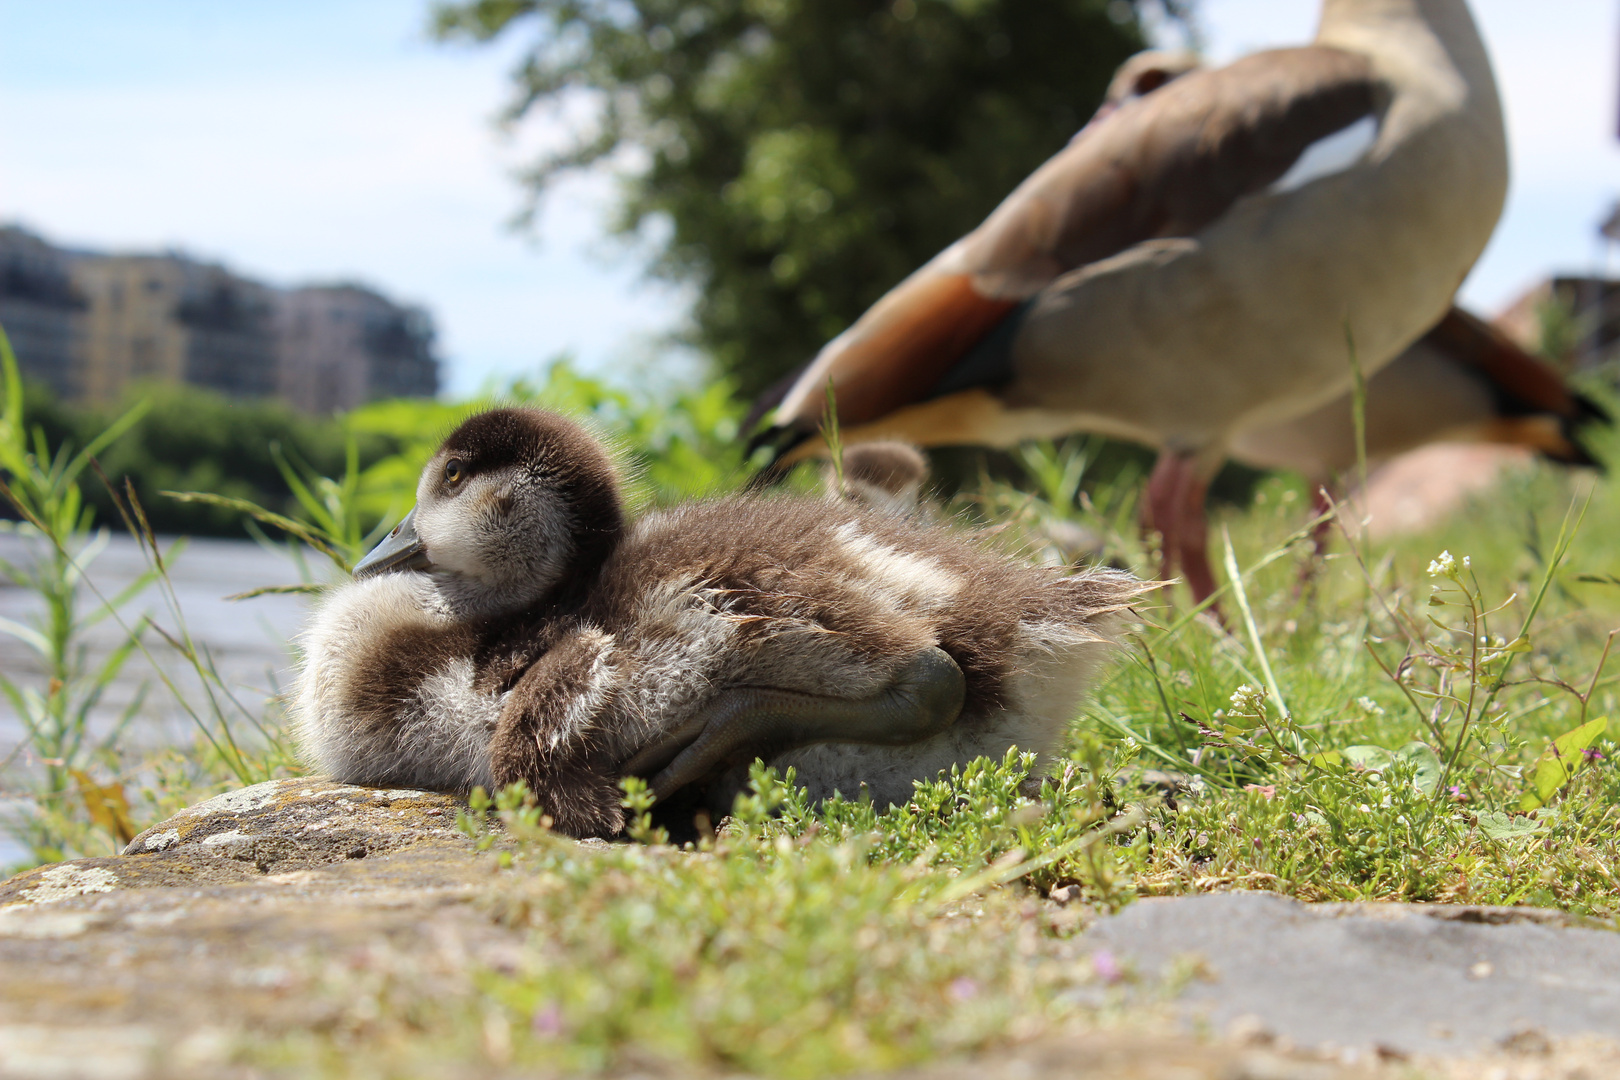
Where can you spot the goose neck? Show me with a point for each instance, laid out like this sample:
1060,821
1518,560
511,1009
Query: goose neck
1394,23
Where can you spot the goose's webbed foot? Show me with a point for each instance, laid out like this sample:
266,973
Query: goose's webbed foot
757,721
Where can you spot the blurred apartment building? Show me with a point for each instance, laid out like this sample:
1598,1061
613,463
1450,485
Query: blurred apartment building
89,324
42,311
168,318
342,345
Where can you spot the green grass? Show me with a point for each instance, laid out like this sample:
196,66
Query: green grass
811,941
783,946
1392,738
1421,704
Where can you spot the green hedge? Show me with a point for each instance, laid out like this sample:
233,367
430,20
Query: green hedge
197,440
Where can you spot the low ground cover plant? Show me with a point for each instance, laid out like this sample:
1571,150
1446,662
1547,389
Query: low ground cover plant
1424,720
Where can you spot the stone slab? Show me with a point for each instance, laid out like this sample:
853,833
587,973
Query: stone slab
1393,979
236,919
241,836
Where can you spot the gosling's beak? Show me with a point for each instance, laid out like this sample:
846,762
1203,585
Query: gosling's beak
399,550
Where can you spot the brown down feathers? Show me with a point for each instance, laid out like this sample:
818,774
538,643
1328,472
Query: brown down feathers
795,593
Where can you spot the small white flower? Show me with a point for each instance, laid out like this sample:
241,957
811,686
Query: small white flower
1467,562
1249,700
1386,803
1364,808
1368,705
1444,566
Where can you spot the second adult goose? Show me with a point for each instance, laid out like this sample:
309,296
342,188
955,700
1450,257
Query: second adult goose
1463,381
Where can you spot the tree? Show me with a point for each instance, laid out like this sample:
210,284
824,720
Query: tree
806,154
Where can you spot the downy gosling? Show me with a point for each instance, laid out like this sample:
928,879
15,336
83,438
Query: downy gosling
513,627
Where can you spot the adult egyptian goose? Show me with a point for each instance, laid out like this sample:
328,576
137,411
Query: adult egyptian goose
1463,381
1198,261
530,635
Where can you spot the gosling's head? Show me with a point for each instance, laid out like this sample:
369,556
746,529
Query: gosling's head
517,504
885,476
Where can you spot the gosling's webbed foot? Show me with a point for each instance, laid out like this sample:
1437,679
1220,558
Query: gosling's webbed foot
757,721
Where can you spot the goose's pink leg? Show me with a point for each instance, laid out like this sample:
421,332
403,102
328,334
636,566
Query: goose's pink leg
1159,511
1321,534
1193,534
1175,507
1321,503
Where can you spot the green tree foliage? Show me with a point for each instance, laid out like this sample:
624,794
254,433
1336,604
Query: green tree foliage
805,154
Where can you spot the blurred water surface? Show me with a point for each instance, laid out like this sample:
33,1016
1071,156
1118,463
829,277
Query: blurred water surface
247,639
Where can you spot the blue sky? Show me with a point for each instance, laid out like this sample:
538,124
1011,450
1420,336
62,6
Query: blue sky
300,140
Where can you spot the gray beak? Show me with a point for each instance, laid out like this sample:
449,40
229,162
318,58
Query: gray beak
399,550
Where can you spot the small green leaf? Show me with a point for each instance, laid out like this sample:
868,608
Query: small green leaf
1426,765
1518,644
1237,722
1559,763
1501,826
1330,760
1371,758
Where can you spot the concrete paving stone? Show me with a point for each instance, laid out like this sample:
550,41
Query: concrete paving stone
222,925
1398,979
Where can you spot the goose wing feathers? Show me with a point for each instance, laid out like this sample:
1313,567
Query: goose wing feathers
1167,164
1526,383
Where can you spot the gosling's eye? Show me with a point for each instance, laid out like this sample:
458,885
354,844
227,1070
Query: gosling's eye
453,470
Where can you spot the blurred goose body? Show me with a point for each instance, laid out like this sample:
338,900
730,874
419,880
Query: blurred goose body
1463,381
532,636
1194,262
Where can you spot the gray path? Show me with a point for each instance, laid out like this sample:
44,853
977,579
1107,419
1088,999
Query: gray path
1409,979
